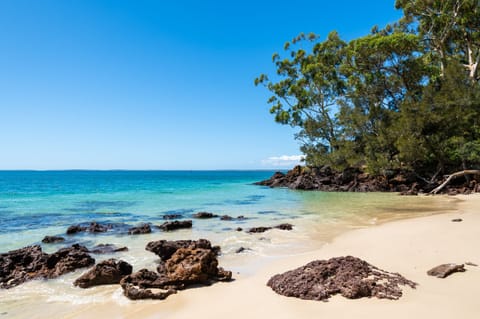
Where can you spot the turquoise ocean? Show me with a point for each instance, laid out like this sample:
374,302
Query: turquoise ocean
34,204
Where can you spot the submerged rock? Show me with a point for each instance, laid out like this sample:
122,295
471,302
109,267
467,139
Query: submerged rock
75,229
52,239
107,272
349,276
445,270
142,229
285,226
204,215
31,262
107,249
172,216
263,229
176,224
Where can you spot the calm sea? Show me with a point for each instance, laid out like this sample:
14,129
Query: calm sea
38,203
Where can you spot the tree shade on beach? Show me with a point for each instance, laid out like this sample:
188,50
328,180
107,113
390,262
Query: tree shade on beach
406,96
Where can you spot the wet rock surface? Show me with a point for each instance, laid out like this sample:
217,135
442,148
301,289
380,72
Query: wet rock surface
52,239
107,272
263,229
445,270
107,249
349,276
174,225
21,265
183,263
172,216
142,229
204,215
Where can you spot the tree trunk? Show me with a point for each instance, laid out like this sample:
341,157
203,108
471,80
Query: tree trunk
455,175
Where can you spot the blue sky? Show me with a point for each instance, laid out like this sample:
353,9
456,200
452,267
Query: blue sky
92,84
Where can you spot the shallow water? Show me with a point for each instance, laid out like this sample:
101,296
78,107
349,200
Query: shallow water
35,204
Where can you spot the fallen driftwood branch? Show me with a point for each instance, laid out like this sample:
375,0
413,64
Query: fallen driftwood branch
455,175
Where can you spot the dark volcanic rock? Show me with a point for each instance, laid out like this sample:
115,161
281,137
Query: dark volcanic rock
457,220
183,263
28,263
445,270
142,229
172,216
204,215
258,229
176,224
239,229
75,229
107,272
98,228
137,285
226,217
52,239
284,226
107,249
349,276
166,248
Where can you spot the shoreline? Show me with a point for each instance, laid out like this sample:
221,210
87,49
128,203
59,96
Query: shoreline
410,247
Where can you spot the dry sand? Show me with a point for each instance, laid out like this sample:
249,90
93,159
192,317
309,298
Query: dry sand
410,247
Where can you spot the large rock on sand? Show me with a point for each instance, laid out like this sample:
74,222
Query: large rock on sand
183,263
107,272
349,276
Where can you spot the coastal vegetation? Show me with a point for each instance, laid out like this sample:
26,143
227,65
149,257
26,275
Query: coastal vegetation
404,97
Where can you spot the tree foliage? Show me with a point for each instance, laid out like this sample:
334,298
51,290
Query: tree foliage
405,96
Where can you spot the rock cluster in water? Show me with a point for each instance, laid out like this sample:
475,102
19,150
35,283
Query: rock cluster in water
353,179
349,276
21,265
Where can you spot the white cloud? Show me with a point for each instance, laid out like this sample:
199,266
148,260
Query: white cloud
285,161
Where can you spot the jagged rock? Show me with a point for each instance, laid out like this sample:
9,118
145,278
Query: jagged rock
30,262
166,248
107,249
171,216
142,229
75,229
204,215
350,276
260,229
107,272
52,239
183,263
137,285
176,224
445,270
284,226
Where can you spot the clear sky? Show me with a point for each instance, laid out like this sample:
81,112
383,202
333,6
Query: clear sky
96,84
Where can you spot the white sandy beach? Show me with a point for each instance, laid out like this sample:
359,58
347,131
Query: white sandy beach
410,247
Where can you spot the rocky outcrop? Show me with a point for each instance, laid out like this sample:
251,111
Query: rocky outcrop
183,263
445,270
75,229
349,276
31,262
142,229
354,179
52,239
176,224
107,272
107,249
204,215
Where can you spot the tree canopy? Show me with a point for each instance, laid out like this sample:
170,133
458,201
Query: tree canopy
406,96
